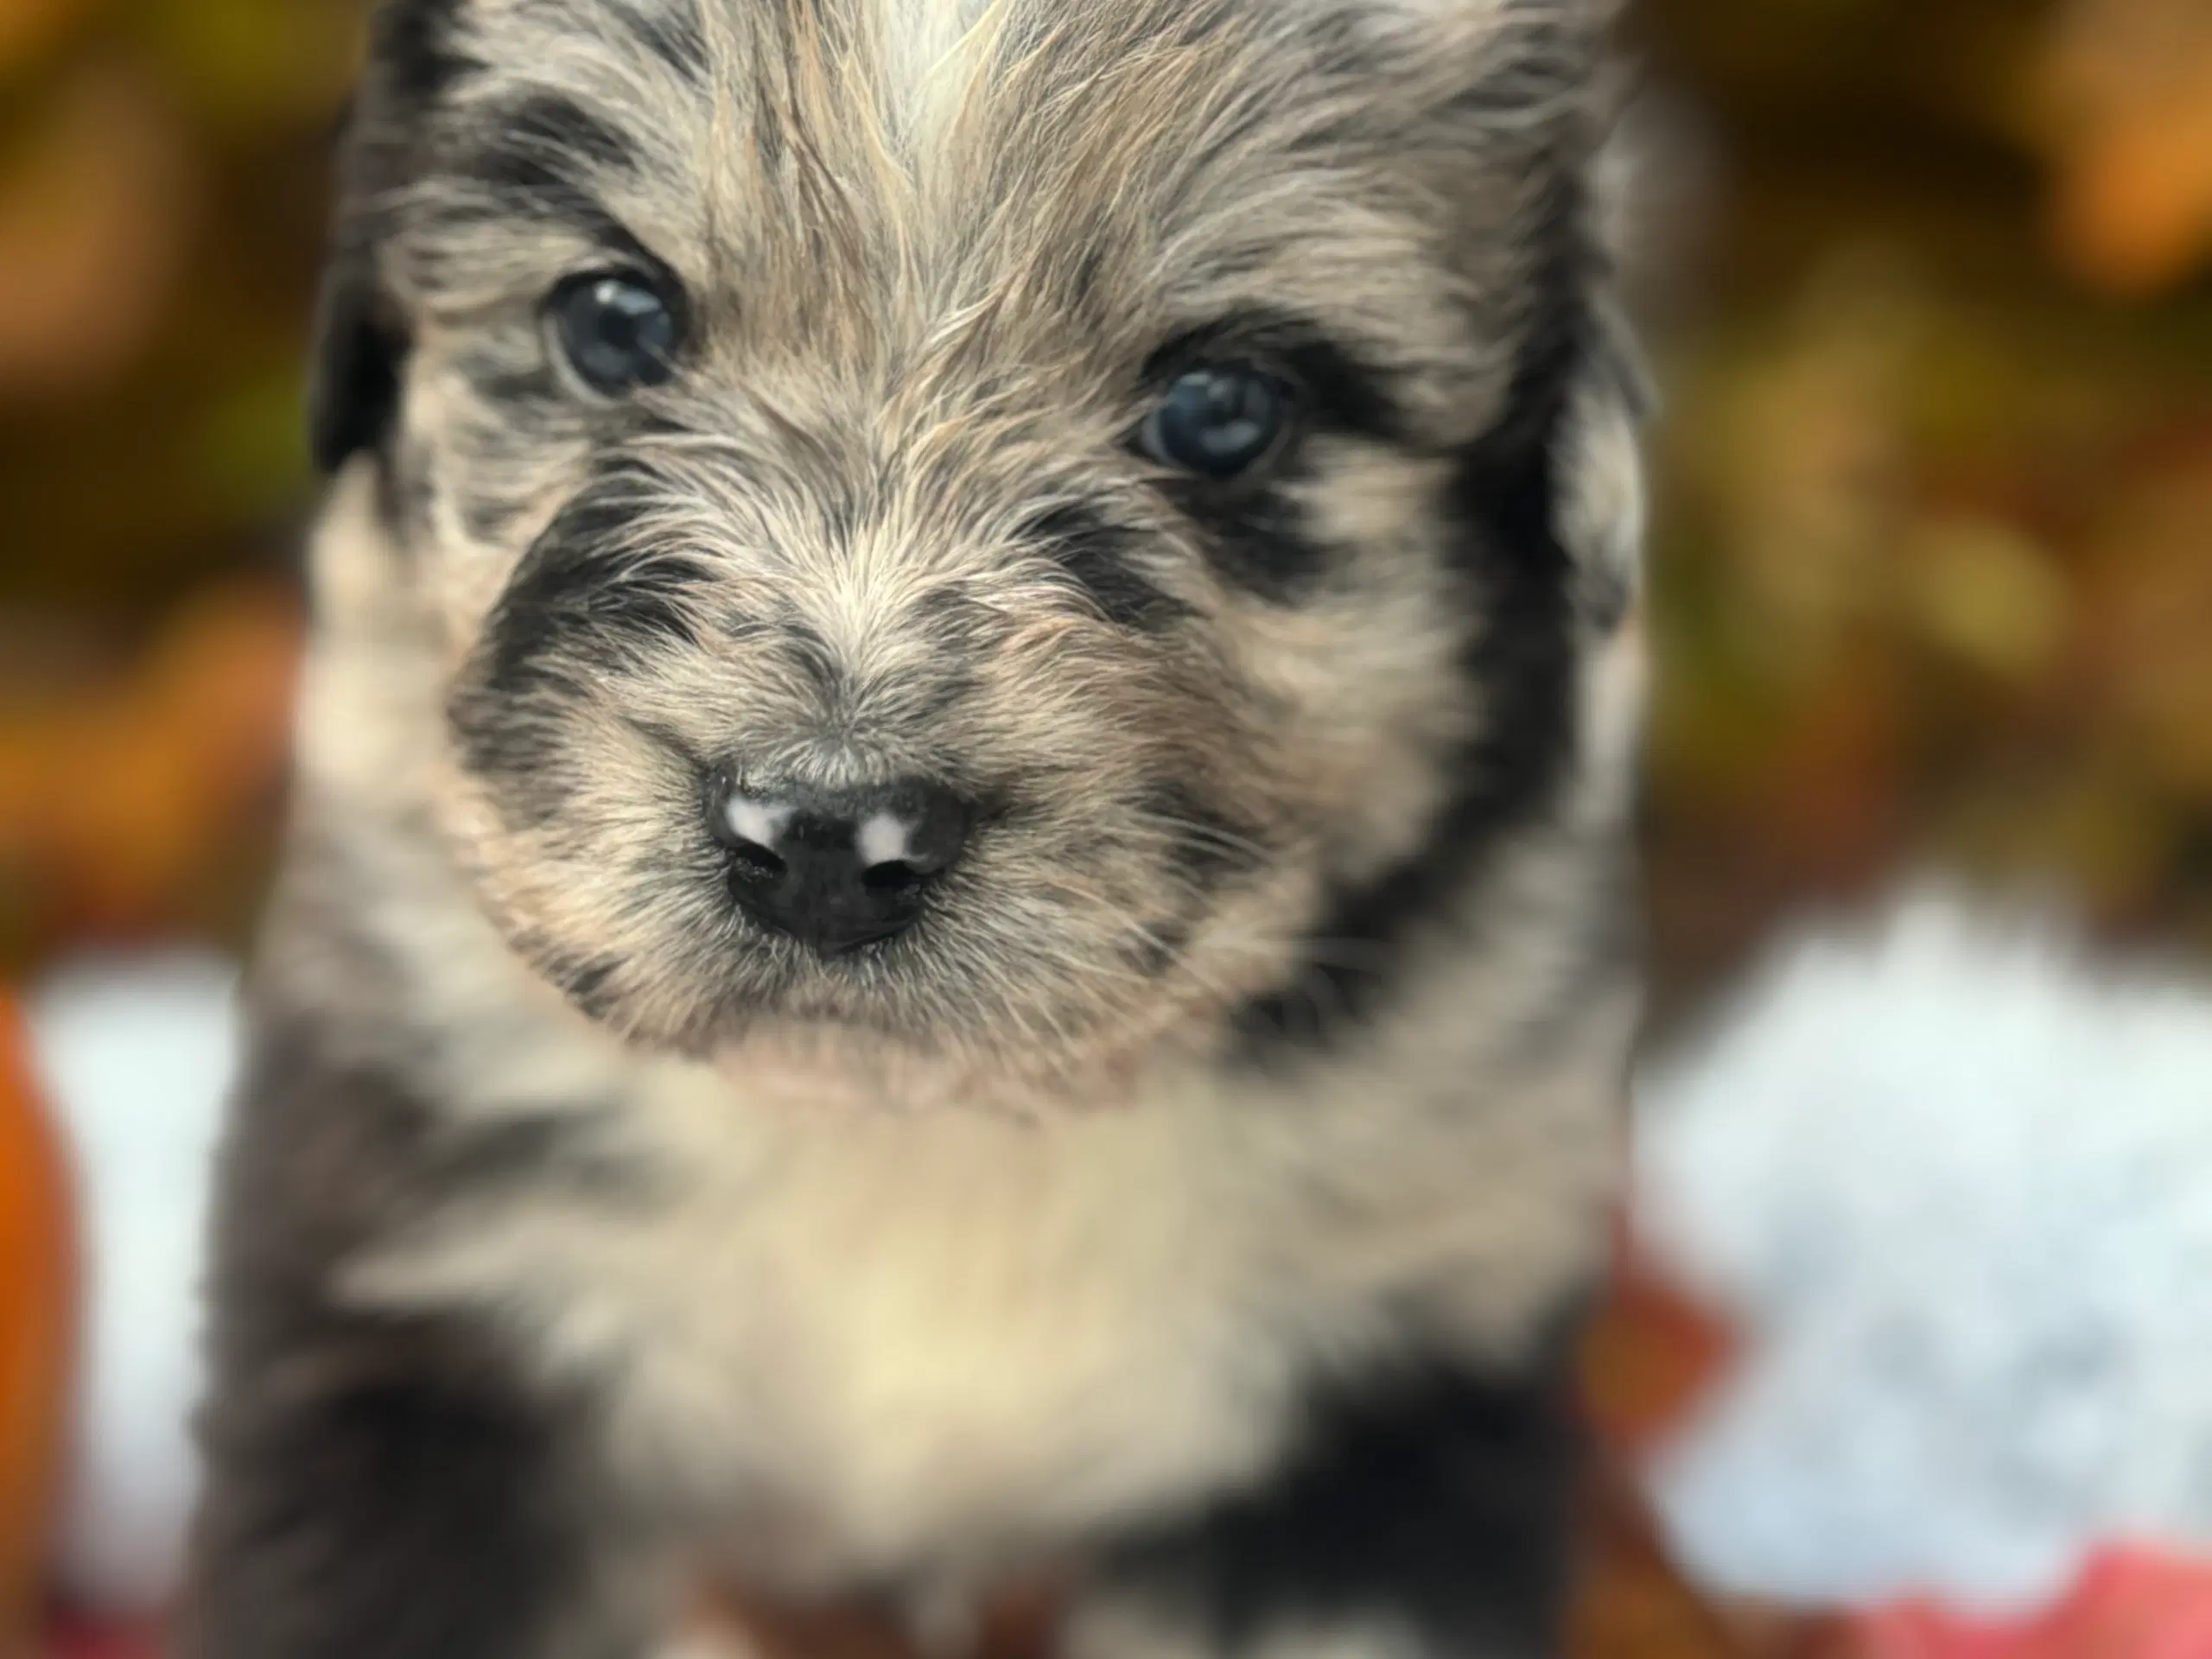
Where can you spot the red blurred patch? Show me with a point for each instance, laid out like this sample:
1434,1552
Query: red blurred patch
79,1639
2132,1604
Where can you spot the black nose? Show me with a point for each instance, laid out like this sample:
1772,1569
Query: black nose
836,872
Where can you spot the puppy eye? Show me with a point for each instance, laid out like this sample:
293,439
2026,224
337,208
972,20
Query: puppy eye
617,332
1217,423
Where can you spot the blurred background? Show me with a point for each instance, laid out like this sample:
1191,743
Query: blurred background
1932,568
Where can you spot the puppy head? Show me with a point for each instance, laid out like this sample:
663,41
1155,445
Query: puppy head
1026,526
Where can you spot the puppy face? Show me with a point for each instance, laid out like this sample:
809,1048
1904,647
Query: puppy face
1026,526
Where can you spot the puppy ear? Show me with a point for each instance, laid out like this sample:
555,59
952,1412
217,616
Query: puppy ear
1598,493
1602,499
361,339
360,358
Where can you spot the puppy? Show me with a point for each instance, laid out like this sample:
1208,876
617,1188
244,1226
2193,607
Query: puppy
957,907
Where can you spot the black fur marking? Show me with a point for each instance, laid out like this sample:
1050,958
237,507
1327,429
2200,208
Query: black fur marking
671,33
553,201
523,745
668,737
1522,658
359,360
1102,558
1254,538
666,32
545,143
388,1518
1207,849
580,603
361,344
412,46
415,61
584,595
768,138
543,162
1339,392
377,1488
1442,1501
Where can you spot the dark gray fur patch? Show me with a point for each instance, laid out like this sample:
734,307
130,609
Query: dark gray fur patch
668,29
1522,660
581,595
1433,1495
544,141
1103,559
374,1486
806,649
1211,847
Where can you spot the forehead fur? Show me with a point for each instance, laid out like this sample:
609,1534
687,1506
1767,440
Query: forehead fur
876,178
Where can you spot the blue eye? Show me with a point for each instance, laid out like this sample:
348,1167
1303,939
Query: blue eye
1217,423
617,332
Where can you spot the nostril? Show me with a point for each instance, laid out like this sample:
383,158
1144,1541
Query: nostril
756,860
892,878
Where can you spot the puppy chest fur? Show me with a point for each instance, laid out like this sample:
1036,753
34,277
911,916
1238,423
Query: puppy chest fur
849,1344
957,898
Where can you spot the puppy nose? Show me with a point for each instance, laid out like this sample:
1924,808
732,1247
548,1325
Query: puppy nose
838,871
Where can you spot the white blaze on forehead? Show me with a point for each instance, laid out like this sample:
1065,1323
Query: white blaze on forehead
883,839
760,823
930,50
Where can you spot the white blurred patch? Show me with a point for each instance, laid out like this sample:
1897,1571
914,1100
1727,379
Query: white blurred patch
1956,1185
136,1056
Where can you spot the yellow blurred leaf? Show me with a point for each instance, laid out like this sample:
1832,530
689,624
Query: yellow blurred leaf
247,62
1988,594
1800,450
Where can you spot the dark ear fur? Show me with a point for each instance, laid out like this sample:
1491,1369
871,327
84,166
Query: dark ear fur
360,342
360,353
